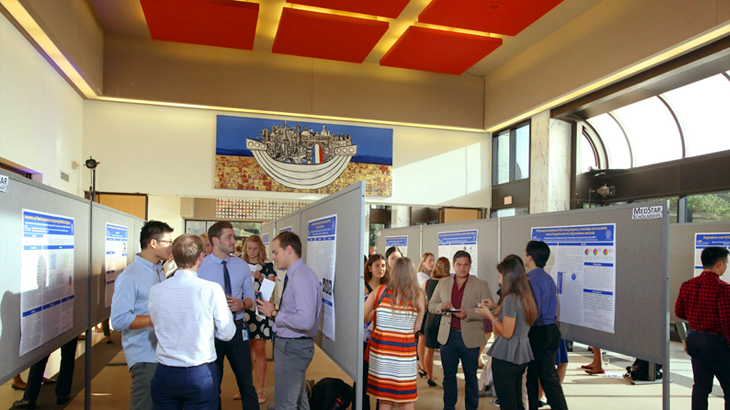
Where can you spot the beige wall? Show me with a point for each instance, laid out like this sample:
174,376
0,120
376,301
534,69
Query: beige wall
171,151
613,35
72,26
41,116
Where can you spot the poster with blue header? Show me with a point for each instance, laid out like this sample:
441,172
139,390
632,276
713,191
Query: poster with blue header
400,242
115,257
583,264
703,240
321,257
451,242
46,278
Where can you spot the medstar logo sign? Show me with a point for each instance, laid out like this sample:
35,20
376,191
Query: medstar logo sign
647,212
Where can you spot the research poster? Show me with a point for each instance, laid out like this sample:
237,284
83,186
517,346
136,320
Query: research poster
265,240
46,278
288,229
321,257
703,240
400,242
115,258
452,242
584,269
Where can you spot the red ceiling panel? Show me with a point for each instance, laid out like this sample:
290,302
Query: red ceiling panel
438,50
385,8
507,17
318,35
220,23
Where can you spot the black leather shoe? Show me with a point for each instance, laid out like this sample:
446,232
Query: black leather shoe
63,400
24,404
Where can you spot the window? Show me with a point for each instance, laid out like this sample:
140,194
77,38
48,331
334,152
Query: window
708,207
501,213
511,155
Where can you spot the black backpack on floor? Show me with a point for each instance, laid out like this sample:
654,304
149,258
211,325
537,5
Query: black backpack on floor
640,370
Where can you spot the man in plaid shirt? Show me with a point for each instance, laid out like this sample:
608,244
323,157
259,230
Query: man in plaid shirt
705,302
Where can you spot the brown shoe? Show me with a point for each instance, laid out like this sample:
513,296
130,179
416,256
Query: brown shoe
262,395
237,396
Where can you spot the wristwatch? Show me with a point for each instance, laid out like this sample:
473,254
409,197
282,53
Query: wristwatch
273,314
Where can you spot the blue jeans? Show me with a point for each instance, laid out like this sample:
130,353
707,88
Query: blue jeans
453,351
192,388
710,358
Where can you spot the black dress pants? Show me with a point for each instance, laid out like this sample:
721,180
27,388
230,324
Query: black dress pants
65,375
544,341
238,353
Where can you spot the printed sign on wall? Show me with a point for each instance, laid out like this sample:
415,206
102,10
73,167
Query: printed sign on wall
296,156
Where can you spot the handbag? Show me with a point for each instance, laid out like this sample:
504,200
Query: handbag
381,293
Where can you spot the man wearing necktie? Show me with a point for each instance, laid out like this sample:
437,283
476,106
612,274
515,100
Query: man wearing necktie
296,322
129,312
234,276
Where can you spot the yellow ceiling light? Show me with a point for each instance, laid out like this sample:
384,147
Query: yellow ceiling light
31,27
322,10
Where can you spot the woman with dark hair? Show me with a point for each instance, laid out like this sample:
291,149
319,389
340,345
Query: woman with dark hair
374,277
424,273
254,254
397,309
511,322
391,255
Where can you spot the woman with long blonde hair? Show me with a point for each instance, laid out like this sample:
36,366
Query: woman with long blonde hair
432,322
424,273
511,321
259,328
397,309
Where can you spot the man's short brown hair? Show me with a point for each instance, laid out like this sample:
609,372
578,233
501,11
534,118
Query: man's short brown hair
288,238
186,249
216,230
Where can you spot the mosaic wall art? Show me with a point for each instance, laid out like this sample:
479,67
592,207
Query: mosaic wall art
287,156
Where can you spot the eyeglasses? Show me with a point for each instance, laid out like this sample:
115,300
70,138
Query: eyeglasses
159,240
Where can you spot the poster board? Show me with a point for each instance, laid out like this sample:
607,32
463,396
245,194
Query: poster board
682,255
641,297
413,235
349,206
29,195
487,238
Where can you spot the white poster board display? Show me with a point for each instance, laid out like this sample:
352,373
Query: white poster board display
46,278
702,241
265,240
321,256
584,270
400,242
451,242
115,257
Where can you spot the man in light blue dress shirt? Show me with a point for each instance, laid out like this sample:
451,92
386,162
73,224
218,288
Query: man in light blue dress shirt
187,312
234,276
129,312
296,322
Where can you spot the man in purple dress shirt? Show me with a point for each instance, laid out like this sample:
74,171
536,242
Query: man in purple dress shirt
295,322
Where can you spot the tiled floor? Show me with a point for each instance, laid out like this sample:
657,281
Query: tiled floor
110,387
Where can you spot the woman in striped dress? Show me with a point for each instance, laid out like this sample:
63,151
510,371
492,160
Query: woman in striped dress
398,310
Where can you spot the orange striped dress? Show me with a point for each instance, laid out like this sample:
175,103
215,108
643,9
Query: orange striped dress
392,371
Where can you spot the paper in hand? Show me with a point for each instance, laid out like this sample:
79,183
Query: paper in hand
265,291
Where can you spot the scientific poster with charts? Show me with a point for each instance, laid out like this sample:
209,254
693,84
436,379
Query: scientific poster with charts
400,242
265,240
46,278
702,241
321,257
452,242
115,258
584,269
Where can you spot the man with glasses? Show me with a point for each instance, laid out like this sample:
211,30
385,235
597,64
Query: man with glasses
234,276
129,309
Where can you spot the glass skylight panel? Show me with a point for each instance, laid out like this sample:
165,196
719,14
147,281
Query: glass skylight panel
702,108
652,132
613,138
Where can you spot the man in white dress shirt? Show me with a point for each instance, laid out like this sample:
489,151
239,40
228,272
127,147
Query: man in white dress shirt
187,313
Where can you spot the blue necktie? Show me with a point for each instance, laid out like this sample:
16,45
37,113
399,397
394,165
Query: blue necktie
286,280
227,280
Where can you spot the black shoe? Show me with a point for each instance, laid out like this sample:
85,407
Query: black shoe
541,404
421,372
16,387
63,400
24,404
431,383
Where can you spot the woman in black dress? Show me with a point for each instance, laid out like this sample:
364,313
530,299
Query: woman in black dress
259,328
431,323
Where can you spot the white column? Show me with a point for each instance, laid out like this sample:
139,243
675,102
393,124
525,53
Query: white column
549,164
400,216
